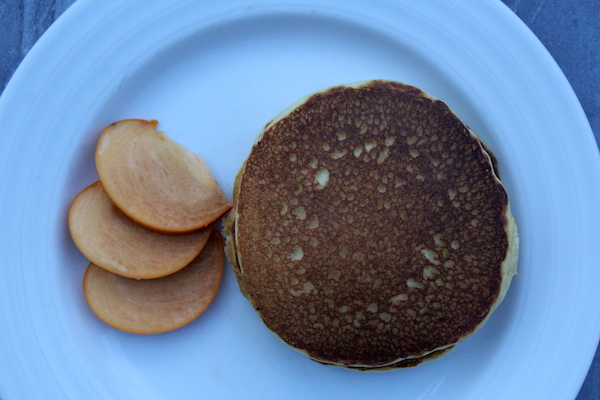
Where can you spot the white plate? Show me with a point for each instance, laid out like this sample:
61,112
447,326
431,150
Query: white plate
213,73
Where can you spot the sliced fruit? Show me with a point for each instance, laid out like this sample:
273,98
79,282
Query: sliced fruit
116,243
155,181
156,305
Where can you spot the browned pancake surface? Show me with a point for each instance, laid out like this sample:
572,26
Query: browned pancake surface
370,226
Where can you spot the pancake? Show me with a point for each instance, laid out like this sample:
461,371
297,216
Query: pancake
370,229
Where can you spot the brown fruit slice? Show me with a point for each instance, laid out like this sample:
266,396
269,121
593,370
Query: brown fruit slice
156,305
155,181
116,243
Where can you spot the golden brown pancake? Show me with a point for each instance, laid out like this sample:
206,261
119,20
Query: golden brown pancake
370,229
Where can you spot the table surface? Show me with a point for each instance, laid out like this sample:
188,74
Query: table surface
570,30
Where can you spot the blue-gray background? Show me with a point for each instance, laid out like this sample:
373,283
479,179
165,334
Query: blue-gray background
570,30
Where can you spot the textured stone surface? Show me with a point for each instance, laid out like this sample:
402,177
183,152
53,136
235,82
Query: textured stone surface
570,30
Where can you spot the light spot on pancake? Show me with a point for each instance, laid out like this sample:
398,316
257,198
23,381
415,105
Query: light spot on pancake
429,272
399,182
431,256
370,144
474,223
301,271
410,282
300,213
341,135
293,157
306,289
357,151
373,308
455,244
437,238
358,256
441,175
297,254
385,316
344,252
314,242
335,275
399,297
414,153
383,155
275,241
411,140
284,209
381,188
390,140
314,163
452,194
336,155
344,309
314,222
449,264
322,177
435,162
326,146
294,201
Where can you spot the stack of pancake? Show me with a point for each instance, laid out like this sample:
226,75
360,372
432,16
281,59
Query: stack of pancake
370,229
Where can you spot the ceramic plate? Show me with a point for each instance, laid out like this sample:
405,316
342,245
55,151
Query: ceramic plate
213,73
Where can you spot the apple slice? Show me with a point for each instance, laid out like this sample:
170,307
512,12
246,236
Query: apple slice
116,243
156,305
155,181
